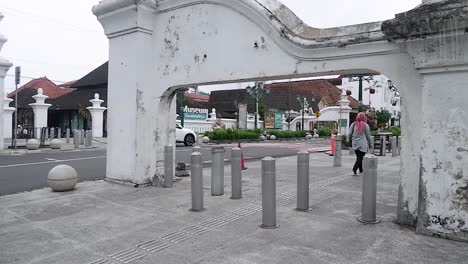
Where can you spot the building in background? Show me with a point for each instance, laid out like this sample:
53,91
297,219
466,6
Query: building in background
386,96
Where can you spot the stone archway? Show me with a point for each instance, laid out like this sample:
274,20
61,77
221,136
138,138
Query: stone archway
157,47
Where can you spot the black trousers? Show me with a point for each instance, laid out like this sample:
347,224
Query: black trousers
359,157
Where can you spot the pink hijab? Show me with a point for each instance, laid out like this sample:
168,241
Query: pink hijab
360,122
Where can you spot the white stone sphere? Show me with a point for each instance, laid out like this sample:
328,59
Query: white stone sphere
262,138
316,136
56,143
272,137
32,144
206,139
62,178
308,136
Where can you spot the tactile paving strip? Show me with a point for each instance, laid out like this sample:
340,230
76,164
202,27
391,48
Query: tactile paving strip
128,255
153,246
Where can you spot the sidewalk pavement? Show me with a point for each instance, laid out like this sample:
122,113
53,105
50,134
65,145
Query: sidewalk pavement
21,143
102,222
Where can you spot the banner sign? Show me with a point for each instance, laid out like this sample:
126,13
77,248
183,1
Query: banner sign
343,122
269,120
278,121
195,113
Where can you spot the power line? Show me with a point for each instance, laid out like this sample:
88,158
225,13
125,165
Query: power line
32,78
16,12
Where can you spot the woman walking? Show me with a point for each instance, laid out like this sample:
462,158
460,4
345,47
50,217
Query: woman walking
359,133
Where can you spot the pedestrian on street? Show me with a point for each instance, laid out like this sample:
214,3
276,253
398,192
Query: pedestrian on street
359,133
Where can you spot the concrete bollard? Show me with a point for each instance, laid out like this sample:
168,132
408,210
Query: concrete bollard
168,165
68,135
76,138
269,193
82,137
196,149
372,145
86,136
59,133
337,156
399,145
383,147
369,190
52,133
302,181
217,171
46,134
236,173
89,138
196,169
394,146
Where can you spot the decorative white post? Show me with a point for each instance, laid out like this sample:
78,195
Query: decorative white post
97,115
7,117
345,110
212,115
40,109
4,67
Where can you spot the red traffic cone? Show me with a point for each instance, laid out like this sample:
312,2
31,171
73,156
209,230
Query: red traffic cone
332,143
243,167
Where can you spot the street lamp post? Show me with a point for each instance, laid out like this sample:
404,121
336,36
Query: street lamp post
359,78
255,92
304,104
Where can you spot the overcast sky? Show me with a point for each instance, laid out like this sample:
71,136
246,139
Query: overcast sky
62,39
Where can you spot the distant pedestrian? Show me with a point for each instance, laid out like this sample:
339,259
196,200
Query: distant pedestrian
360,136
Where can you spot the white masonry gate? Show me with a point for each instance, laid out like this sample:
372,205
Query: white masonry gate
157,47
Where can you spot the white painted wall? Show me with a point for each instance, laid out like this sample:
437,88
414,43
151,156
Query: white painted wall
4,67
196,42
8,118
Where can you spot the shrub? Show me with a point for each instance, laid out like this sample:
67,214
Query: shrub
287,134
396,131
233,134
326,132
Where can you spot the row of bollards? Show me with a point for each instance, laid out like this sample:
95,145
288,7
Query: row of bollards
268,168
81,137
394,147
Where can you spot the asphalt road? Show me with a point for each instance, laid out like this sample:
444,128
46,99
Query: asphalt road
28,172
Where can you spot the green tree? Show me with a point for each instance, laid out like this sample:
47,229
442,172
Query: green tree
382,116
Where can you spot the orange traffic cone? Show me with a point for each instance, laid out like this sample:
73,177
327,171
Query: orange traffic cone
332,143
243,167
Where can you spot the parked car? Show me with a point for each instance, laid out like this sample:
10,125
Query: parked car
185,135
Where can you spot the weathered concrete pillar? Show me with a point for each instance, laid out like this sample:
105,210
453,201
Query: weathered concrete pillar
168,166
269,193
302,181
217,171
97,115
441,59
7,117
369,191
236,173
372,145
40,109
337,156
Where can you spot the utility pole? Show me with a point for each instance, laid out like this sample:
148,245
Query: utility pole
255,93
304,104
17,81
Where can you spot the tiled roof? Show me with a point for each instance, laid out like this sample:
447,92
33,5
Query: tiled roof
26,91
79,97
282,96
321,89
97,77
198,97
